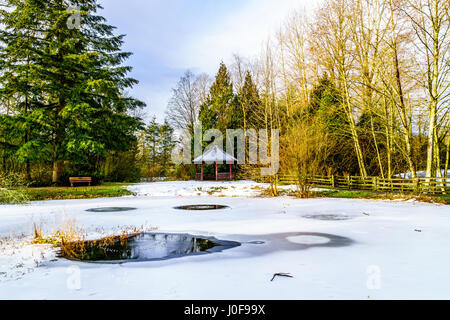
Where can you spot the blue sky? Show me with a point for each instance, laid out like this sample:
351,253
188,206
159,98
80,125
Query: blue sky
168,37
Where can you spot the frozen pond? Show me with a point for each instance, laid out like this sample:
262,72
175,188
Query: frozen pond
201,207
333,248
111,209
147,247
328,217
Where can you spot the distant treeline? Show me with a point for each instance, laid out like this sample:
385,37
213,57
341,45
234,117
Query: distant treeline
359,88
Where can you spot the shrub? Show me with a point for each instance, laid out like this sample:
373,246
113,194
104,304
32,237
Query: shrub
9,192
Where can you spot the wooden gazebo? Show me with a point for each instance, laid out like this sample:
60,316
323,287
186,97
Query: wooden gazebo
215,156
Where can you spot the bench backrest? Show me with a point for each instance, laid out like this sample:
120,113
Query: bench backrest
80,179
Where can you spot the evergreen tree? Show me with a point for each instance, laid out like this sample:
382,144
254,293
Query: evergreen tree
19,82
156,149
167,144
250,101
70,81
324,111
152,141
221,110
325,103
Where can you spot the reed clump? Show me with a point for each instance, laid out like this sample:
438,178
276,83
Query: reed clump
74,244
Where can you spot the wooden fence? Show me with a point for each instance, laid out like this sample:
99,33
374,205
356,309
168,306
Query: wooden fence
428,186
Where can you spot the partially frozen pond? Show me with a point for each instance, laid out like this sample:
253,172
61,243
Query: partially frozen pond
329,254
144,247
328,217
295,241
111,209
202,207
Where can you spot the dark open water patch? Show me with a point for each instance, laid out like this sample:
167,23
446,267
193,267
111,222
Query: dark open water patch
111,209
144,247
328,217
202,207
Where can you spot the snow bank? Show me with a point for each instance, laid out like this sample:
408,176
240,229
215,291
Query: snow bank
18,259
199,188
205,188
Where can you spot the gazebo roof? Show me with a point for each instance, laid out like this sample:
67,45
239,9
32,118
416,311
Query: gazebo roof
215,155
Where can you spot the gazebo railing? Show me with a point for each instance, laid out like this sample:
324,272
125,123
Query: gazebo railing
220,176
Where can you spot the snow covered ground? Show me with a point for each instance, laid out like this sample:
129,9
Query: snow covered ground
421,174
199,188
371,250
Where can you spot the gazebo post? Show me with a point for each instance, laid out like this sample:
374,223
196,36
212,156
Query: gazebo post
202,172
231,171
217,172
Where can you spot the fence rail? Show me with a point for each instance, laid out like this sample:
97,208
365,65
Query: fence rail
428,186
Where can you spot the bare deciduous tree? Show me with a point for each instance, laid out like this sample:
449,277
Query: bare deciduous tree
183,108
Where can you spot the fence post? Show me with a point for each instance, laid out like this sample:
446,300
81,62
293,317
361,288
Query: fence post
333,182
417,185
375,183
348,182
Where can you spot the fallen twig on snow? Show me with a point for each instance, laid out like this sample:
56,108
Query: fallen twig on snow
288,275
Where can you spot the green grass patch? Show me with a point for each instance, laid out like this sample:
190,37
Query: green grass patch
347,194
11,196
446,199
117,184
283,184
62,193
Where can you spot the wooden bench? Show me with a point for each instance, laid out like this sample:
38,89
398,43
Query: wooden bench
80,180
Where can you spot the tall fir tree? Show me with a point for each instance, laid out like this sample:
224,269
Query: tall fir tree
324,110
221,111
20,86
70,79
249,100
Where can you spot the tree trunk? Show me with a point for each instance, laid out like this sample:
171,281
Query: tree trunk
28,170
405,125
355,136
57,171
431,144
433,80
447,156
388,114
375,141
437,156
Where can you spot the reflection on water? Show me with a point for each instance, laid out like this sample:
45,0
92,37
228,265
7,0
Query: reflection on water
147,247
154,246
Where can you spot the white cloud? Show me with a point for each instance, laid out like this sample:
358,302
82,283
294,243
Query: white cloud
242,32
169,37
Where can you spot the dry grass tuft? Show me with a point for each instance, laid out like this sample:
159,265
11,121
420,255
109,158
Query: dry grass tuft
74,244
